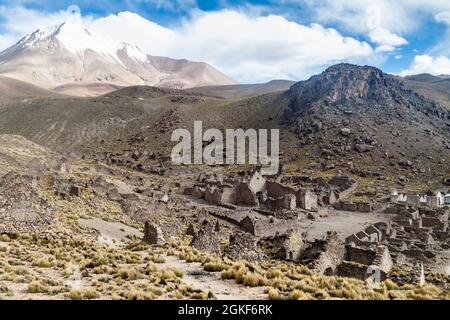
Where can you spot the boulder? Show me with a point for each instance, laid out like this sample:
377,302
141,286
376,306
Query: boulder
362,147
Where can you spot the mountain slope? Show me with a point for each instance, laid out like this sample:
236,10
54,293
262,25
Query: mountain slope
11,89
433,87
241,91
348,119
69,54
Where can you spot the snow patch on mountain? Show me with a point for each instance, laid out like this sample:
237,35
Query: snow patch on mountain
71,56
76,38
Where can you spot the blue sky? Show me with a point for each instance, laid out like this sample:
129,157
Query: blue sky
255,41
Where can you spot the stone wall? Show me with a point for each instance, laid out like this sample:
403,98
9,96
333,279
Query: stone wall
286,202
276,190
323,256
354,207
207,239
243,246
307,199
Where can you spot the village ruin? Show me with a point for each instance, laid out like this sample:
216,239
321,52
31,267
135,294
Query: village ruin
412,231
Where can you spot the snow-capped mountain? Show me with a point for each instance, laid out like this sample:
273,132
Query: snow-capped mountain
69,58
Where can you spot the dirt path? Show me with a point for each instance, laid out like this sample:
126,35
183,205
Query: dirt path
195,276
344,223
111,233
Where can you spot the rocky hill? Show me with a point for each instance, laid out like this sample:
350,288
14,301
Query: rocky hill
368,119
353,87
352,99
347,119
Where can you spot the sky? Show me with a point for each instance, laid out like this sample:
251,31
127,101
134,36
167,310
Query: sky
257,41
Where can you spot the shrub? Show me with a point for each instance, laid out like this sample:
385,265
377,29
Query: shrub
299,295
253,280
129,274
37,287
214,266
75,294
274,294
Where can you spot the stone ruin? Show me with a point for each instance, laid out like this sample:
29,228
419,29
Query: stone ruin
337,189
325,255
207,239
243,246
413,234
430,199
363,263
153,234
354,207
248,225
252,190
23,208
190,231
65,188
286,246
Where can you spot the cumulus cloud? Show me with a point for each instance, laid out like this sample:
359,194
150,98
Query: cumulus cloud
19,21
169,4
249,48
265,47
428,64
384,22
443,16
378,34
384,37
397,16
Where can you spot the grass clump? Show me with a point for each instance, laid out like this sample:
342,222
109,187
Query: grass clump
215,266
128,274
37,287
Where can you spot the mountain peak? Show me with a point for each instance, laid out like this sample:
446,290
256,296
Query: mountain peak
348,67
347,84
40,34
71,55
74,37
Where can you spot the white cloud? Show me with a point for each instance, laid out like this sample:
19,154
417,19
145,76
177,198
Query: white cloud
168,4
132,28
378,34
19,21
428,64
385,48
443,16
249,48
265,47
384,22
384,37
397,16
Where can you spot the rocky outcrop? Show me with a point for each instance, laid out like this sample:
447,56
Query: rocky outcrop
347,85
361,111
